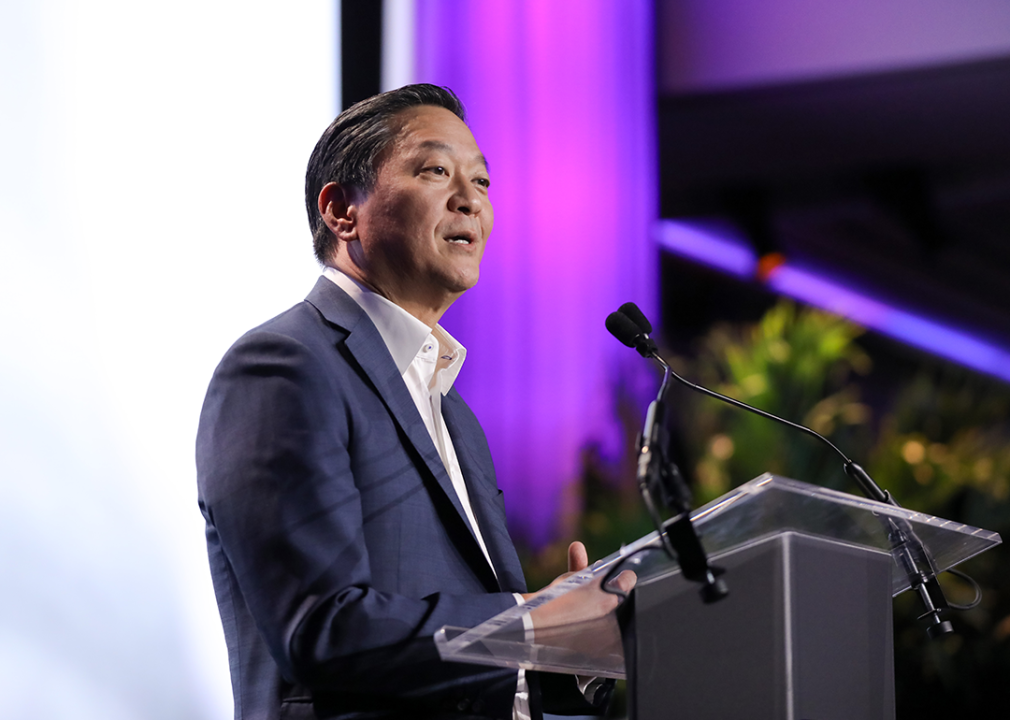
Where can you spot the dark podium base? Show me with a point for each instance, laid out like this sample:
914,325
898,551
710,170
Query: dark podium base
805,634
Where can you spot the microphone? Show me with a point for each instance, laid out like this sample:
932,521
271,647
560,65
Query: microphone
631,333
631,327
650,440
655,470
630,310
636,335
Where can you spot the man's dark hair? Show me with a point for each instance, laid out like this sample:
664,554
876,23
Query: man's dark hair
348,152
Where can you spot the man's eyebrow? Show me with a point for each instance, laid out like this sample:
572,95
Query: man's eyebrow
435,145
446,147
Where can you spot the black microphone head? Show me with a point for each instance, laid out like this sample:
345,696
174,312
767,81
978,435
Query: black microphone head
625,330
636,316
622,328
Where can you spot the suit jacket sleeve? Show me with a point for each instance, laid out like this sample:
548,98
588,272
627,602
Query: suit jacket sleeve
301,475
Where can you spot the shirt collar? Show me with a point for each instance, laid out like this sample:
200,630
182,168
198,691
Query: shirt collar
403,334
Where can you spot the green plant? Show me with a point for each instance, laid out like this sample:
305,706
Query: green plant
796,363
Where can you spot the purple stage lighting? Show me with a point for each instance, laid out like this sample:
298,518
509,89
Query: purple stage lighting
713,243
560,99
720,246
902,325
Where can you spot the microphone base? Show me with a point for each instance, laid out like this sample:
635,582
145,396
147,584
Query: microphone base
713,592
939,628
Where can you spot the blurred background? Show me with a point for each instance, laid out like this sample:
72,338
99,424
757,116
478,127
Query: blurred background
810,199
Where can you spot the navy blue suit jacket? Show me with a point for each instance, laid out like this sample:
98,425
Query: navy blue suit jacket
337,544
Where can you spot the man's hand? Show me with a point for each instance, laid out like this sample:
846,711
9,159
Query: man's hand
583,604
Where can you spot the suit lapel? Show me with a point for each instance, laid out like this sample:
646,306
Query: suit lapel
483,490
369,351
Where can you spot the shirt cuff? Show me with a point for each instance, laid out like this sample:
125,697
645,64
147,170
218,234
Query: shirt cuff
527,620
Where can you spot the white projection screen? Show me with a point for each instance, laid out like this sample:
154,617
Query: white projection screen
152,163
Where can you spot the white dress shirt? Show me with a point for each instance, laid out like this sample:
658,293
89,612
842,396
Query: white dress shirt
429,360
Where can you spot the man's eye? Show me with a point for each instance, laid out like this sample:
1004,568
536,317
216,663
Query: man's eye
438,170
483,182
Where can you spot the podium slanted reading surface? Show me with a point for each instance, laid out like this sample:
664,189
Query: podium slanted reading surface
805,633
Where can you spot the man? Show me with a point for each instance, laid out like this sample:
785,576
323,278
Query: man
349,494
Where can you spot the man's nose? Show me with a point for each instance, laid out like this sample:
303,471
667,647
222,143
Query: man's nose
466,199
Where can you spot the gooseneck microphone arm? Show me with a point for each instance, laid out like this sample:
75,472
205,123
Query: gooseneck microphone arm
629,325
634,335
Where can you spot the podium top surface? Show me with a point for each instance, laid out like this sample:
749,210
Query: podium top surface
769,504
766,506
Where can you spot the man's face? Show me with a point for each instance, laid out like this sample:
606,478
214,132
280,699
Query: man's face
423,227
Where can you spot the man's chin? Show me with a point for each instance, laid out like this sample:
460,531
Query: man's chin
460,282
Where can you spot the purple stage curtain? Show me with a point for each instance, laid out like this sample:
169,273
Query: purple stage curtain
560,97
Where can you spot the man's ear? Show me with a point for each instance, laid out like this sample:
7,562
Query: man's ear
339,212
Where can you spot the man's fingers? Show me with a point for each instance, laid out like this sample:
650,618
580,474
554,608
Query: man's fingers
625,582
578,558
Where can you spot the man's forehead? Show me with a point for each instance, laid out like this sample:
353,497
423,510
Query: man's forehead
423,128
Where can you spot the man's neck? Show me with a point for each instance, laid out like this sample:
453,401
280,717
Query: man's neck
427,310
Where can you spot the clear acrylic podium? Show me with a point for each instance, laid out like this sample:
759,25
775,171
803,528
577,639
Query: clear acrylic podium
805,633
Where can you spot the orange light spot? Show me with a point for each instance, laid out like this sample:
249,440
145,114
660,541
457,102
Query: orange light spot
768,264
